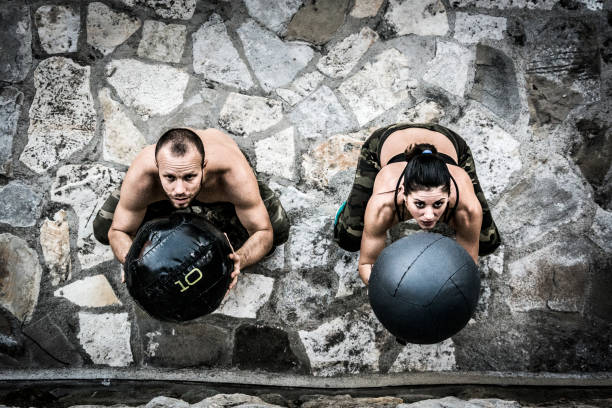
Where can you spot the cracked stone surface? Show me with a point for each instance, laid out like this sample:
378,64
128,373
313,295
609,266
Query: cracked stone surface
11,101
250,293
273,14
471,29
296,201
320,114
420,17
366,8
276,154
274,62
522,4
243,114
107,28
601,230
16,34
19,278
106,338
308,243
58,28
450,69
20,204
424,112
379,85
62,115
343,56
317,21
216,58
151,90
302,87
55,243
348,275
122,140
425,357
162,42
85,188
93,291
172,9
343,345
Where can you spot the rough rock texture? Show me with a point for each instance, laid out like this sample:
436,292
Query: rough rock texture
342,57
251,292
85,188
266,348
11,101
216,58
122,140
243,115
16,55
317,21
162,42
20,275
302,87
171,9
348,280
366,8
20,204
425,357
521,4
450,69
273,14
58,28
320,114
149,89
454,402
55,243
274,62
62,115
420,17
93,291
472,29
601,231
276,154
106,28
106,338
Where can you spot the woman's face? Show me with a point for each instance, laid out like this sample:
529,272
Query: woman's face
427,206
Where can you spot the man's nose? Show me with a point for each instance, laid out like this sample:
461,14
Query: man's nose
179,187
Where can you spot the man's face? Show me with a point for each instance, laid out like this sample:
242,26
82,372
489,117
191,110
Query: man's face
180,176
427,206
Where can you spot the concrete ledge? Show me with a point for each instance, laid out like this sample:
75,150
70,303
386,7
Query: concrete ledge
250,378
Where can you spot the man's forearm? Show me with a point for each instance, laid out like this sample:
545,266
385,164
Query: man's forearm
120,243
255,248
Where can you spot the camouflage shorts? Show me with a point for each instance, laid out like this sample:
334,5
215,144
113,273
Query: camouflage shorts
221,215
348,226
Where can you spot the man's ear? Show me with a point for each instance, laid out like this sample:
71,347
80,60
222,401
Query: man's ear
204,164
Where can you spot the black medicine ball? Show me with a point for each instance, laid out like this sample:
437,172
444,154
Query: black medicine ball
424,288
178,268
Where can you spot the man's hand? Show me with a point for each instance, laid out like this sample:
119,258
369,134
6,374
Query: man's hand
236,259
365,270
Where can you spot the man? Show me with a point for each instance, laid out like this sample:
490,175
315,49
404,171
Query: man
203,171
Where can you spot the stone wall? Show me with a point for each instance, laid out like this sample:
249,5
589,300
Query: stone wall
299,84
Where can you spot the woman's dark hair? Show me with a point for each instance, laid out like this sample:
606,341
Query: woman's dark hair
179,140
425,169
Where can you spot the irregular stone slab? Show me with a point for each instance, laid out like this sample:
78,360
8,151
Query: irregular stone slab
263,348
320,114
420,17
454,402
93,291
122,140
348,274
346,401
309,243
274,62
230,400
62,115
20,204
20,275
471,29
495,84
243,114
317,21
58,28
302,87
276,154
450,69
379,85
295,201
149,89
216,58
273,14
521,4
420,51
343,56
50,336
337,153
601,230
276,261
106,338
55,243
425,357
162,42
345,345
171,9
201,111
553,277
496,152
166,402
424,112
250,293
366,8
85,188
106,28
11,101
16,55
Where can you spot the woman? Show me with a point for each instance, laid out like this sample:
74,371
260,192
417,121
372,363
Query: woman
420,171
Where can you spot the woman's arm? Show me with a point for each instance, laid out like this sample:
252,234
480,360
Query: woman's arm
468,217
378,218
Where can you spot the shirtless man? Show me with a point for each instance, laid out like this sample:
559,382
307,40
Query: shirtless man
190,167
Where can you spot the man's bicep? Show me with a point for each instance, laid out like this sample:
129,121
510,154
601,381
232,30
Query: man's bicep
127,219
253,216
